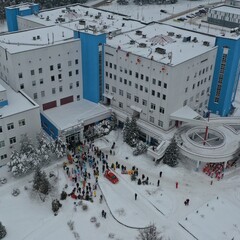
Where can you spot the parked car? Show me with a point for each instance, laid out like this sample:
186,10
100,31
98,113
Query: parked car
163,11
111,176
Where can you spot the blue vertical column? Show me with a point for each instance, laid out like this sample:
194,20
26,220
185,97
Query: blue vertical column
91,64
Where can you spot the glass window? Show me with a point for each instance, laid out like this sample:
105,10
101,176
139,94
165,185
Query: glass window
21,122
35,96
12,140
51,67
2,144
151,119
40,70
10,126
53,90
32,72
69,63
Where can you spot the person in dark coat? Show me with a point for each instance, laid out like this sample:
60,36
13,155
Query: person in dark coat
158,182
135,196
160,174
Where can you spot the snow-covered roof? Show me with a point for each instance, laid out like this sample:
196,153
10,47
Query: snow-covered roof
77,17
36,38
185,112
76,113
201,25
227,9
22,6
17,102
163,43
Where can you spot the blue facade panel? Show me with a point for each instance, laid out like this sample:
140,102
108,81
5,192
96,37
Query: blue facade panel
91,64
12,13
230,77
50,129
4,103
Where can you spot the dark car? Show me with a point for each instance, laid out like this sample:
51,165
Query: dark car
111,176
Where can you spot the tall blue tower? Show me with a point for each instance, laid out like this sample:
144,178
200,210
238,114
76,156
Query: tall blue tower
24,9
226,75
92,64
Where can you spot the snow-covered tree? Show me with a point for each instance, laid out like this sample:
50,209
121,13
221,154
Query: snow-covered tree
3,231
140,148
26,146
56,205
43,148
58,147
171,155
126,130
149,233
40,182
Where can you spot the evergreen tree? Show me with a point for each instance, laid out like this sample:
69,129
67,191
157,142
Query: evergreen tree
149,233
171,155
133,137
26,147
113,122
140,148
126,130
37,179
3,231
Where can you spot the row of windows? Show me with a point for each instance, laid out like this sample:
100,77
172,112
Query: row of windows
35,95
154,81
12,140
199,83
10,126
40,70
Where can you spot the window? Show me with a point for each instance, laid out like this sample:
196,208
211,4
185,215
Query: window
153,106
33,83
161,110
1,129
185,103
110,75
144,102
153,93
107,86
60,76
70,86
186,89
130,83
32,72
136,85
69,63
21,122
77,83
120,79
158,94
59,66
120,92
12,140
141,87
106,63
146,89
151,119
147,78
41,81
202,93
154,81
21,86
159,83
53,90
35,96
42,93
20,75
110,65
40,70
70,73
208,89
193,86
130,72
164,97
115,77
160,123
125,70
106,74
115,66
52,78
114,89
142,76
51,67
187,78
120,104
136,99
60,88
165,85
2,144
125,81
3,156
77,71
136,74
78,97
10,126
128,95
76,61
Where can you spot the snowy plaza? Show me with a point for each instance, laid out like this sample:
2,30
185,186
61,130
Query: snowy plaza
213,211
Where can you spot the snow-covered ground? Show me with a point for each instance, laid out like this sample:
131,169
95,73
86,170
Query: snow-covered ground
26,217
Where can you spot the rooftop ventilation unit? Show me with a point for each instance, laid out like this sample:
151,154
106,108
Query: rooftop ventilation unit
170,33
195,40
138,32
160,50
206,43
34,38
178,36
132,42
38,36
144,35
82,22
187,39
142,45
